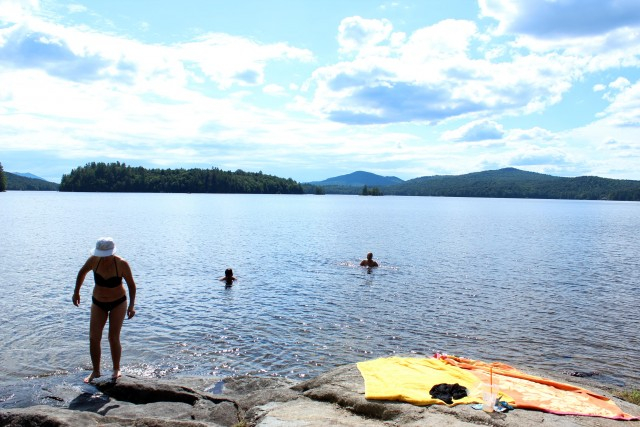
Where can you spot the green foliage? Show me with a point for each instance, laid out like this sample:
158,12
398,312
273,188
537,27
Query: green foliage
503,183
632,396
331,189
3,179
375,191
514,183
118,177
22,183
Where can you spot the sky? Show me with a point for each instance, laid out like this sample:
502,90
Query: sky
309,90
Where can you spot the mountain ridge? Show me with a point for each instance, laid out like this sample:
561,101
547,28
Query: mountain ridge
21,182
28,175
504,183
359,178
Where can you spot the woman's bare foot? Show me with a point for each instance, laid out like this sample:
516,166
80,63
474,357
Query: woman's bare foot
92,377
116,374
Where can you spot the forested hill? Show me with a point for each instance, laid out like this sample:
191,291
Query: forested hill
515,183
17,182
118,177
359,179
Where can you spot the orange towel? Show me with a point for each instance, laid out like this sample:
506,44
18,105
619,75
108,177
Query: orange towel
410,379
532,392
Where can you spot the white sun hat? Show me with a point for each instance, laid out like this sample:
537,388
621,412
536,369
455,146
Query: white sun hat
104,247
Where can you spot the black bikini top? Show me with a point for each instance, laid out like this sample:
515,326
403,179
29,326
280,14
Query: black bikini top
111,282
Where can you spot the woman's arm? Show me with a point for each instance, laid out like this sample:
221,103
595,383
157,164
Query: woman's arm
131,284
86,268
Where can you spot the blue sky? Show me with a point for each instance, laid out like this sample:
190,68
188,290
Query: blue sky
308,89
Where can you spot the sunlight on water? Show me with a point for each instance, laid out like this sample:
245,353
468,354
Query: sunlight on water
545,285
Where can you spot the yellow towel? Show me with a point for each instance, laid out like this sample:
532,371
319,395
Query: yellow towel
409,379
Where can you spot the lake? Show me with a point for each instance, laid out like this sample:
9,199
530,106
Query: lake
547,285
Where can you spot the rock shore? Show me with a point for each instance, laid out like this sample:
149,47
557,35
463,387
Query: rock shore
335,398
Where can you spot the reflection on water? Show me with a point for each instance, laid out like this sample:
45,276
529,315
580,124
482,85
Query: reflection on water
546,285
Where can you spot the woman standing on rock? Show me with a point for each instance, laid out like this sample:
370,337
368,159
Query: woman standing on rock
109,301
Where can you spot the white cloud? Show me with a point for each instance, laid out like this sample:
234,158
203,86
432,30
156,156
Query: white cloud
619,83
357,34
537,134
83,94
541,158
273,89
434,75
229,60
614,87
76,8
609,146
17,10
480,130
624,110
102,95
598,34
551,19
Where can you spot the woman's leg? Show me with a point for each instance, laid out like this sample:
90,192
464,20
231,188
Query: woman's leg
116,318
96,325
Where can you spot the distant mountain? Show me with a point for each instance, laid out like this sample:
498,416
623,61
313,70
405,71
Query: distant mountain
28,175
501,183
360,179
22,182
515,183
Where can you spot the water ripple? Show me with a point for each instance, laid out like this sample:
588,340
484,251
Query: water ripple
550,285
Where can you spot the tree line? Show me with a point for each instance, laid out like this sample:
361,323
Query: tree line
118,177
502,183
23,183
3,179
512,183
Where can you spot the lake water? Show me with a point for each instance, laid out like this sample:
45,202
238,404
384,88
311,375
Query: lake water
550,285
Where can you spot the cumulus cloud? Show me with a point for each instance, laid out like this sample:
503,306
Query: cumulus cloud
433,75
620,83
229,60
533,134
53,54
614,88
17,10
100,95
356,33
80,54
535,156
600,34
624,110
452,69
480,130
561,18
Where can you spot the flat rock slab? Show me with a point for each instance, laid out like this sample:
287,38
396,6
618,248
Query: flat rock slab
335,398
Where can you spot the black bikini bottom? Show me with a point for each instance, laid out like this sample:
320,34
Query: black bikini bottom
108,306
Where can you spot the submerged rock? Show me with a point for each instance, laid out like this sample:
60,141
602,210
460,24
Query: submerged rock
335,398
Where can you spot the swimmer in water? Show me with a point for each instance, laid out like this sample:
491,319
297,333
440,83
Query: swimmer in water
369,262
228,277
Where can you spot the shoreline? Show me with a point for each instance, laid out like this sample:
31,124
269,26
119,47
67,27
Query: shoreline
335,397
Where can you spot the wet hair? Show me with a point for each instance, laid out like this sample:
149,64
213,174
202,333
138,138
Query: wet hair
228,272
369,255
